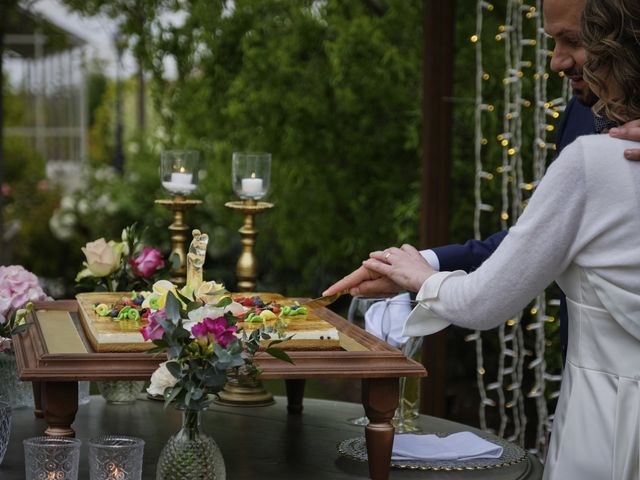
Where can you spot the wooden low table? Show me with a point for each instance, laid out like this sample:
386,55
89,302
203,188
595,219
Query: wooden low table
55,354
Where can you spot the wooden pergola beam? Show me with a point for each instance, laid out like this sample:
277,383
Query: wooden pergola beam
437,88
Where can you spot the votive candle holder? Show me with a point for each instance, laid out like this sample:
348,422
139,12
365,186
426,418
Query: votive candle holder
51,458
115,457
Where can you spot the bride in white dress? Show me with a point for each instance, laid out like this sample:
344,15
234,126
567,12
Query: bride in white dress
582,229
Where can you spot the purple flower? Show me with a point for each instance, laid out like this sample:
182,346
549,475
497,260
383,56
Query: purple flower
222,333
199,330
146,264
154,331
17,287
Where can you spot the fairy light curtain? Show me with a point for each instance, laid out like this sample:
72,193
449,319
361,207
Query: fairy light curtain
517,394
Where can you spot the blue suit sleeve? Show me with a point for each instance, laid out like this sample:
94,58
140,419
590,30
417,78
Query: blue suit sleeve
470,255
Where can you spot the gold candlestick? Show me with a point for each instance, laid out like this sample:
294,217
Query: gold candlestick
247,268
179,234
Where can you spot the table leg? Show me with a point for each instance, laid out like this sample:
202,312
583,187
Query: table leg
37,399
380,400
295,395
59,405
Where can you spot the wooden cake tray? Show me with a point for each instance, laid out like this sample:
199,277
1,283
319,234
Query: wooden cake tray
309,332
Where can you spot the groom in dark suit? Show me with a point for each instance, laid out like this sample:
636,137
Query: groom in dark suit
562,22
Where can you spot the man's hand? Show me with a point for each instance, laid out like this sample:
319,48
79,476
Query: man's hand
404,266
629,131
363,281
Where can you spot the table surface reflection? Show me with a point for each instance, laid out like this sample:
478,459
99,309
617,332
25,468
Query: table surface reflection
258,442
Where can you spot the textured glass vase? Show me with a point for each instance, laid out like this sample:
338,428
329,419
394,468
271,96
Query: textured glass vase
120,392
15,392
191,454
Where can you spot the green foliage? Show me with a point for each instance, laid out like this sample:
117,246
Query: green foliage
332,91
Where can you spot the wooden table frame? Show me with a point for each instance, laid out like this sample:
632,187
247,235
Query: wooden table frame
55,377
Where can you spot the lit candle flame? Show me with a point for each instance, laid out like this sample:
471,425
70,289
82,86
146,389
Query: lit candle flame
52,476
253,174
182,170
116,473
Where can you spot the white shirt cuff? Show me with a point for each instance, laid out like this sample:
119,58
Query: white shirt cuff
422,320
431,257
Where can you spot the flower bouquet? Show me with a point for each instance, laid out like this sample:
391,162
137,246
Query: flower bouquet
18,288
120,266
199,332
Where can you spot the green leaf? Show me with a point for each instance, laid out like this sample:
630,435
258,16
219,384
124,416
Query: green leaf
173,393
20,328
279,354
172,308
174,369
224,302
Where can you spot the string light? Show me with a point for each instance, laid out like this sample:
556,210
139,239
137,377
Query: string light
502,388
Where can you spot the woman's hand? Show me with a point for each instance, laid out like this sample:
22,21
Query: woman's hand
404,266
629,131
363,281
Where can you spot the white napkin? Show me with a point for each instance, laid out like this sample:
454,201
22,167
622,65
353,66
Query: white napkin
385,319
457,446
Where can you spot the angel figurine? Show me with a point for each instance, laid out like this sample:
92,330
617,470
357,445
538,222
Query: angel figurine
195,259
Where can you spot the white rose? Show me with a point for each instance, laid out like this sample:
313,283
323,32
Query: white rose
161,380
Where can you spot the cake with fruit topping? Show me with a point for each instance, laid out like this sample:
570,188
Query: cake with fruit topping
274,312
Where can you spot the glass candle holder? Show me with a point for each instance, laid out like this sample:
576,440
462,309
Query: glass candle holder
116,457
251,173
5,428
179,171
51,458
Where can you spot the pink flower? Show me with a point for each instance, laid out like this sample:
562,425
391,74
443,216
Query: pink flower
199,330
146,264
103,258
5,189
154,331
222,333
17,287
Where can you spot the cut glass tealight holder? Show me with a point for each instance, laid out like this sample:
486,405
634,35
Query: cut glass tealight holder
115,457
51,458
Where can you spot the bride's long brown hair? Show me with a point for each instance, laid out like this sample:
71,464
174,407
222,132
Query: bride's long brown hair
611,37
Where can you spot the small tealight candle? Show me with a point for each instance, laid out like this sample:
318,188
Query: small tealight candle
251,186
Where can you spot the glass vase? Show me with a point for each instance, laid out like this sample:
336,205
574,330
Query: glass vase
15,392
120,392
191,454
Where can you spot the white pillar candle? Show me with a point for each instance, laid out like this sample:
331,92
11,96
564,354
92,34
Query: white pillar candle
180,183
251,186
182,178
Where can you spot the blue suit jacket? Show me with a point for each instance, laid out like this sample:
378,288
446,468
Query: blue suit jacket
577,120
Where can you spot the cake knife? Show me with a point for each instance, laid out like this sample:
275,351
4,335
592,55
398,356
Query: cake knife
323,301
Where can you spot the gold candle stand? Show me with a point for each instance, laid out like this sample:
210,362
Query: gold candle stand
247,268
179,235
245,392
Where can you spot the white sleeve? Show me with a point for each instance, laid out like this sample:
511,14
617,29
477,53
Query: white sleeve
431,258
536,250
